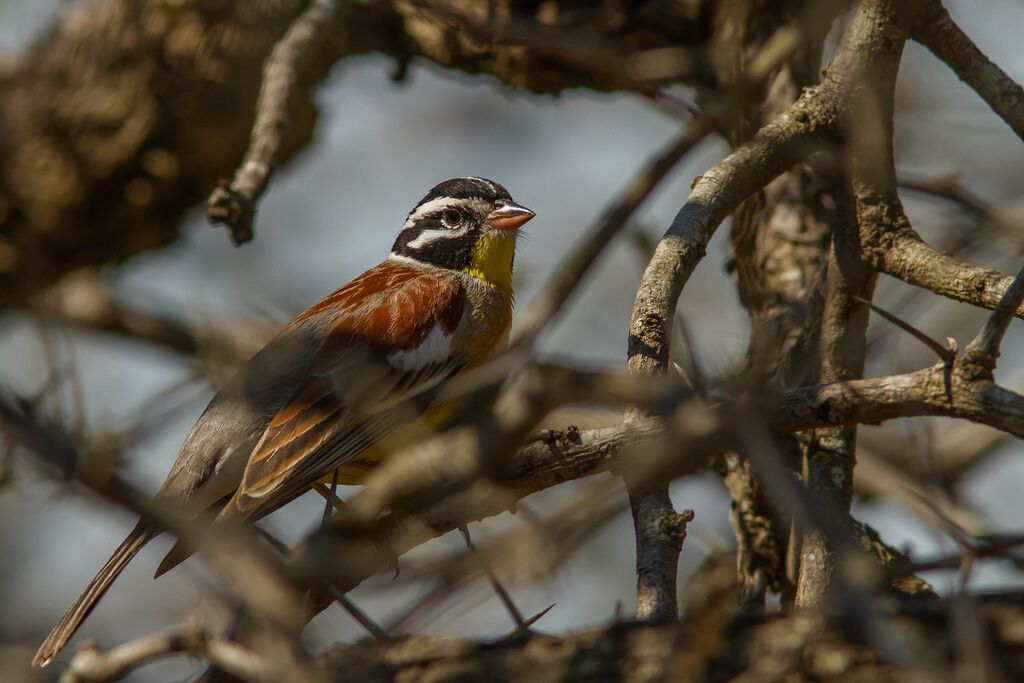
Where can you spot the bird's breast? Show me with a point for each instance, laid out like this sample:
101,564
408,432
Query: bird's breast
486,323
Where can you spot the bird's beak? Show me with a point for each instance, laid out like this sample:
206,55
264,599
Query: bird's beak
508,216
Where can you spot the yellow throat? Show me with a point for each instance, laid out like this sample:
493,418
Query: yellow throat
492,261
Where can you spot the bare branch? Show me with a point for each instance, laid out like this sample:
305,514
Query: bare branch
715,195
660,532
897,250
930,24
171,90
234,204
90,665
579,260
947,187
499,588
984,349
790,645
943,352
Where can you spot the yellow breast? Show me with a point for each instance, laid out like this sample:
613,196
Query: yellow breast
490,322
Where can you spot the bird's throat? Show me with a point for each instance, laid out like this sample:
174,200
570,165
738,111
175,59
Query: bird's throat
491,261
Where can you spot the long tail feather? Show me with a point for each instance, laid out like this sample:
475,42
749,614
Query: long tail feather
72,620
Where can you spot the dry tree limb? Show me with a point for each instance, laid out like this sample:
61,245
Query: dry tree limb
984,349
990,546
943,352
576,454
869,57
890,244
496,584
117,120
884,236
594,56
562,457
718,192
713,643
949,188
582,256
878,477
929,23
659,530
896,249
234,204
91,665
776,148
778,246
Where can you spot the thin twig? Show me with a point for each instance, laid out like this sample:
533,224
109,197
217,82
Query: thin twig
931,25
364,620
984,349
586,251
943,352
91,665
233,203
995,547
503,594
330,497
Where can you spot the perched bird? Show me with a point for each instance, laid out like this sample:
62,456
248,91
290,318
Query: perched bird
352,369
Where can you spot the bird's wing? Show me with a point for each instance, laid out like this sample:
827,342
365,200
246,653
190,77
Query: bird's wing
212,458
387,341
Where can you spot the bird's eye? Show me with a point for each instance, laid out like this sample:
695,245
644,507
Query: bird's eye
451,218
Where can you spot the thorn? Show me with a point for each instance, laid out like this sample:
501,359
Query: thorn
527,623
944,353
503,594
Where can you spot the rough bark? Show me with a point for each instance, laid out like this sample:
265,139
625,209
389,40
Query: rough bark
779,244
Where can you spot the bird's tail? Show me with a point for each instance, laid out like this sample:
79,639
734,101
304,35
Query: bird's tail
62,632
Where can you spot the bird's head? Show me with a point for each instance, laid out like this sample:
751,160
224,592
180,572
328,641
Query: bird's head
465,224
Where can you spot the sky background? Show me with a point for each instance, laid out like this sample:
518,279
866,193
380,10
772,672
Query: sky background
334,212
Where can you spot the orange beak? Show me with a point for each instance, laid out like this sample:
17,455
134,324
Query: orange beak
508,216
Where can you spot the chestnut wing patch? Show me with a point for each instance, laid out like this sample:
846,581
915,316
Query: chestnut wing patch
393,346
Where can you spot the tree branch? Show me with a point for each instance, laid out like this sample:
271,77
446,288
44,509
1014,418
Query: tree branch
929,23
869,56
90,665
713,644
984,349
234,204
894,248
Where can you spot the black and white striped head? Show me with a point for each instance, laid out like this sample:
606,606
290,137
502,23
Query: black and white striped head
447,225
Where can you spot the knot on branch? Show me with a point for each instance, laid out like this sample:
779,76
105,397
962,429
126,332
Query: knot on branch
670,528
562,438
232,209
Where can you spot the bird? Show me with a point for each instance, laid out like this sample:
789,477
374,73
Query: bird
316,403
